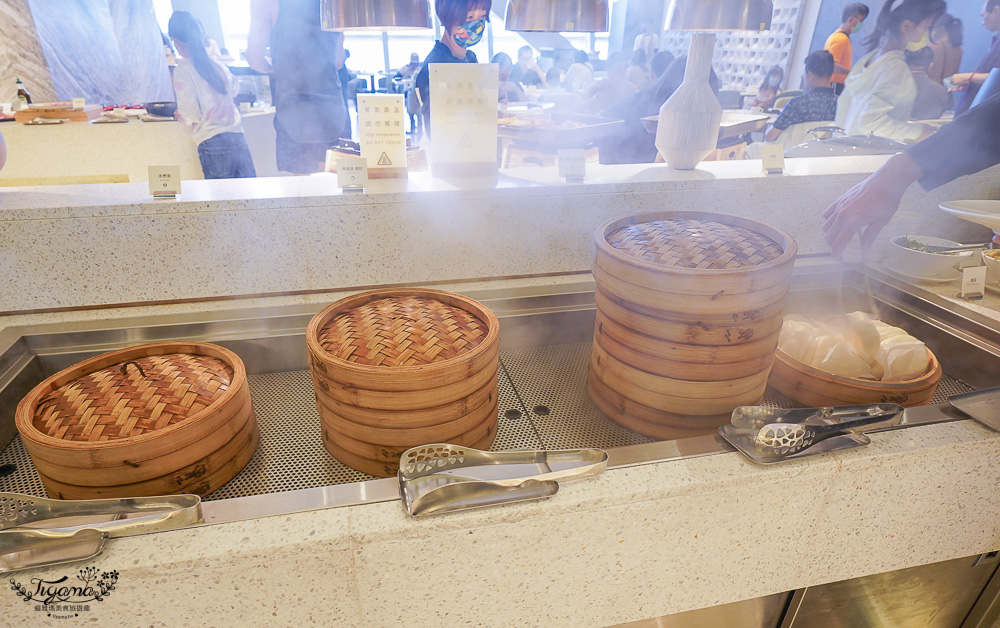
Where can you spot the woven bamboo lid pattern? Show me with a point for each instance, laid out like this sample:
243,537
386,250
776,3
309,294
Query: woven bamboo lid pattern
402,331
700,244
123,401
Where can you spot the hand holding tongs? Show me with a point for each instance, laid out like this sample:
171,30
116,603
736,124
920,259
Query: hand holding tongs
26,543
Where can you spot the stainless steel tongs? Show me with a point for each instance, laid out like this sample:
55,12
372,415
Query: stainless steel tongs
37,532
787,432
442,478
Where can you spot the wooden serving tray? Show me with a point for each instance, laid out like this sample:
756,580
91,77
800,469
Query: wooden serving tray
88,113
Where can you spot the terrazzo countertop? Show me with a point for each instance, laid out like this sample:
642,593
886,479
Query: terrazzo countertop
635,543
82,246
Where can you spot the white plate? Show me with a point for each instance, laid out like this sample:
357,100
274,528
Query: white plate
985,213
951,275
514,109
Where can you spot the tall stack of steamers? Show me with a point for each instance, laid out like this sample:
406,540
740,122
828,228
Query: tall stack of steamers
689,308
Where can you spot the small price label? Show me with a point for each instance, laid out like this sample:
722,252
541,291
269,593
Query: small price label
79,103
164,181
973,282
352,172
572,163
772,156
118,112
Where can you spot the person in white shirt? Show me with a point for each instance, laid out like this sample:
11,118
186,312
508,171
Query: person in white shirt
648,40
880,91
205,91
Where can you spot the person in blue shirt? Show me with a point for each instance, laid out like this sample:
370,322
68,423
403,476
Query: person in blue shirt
817,104
464,23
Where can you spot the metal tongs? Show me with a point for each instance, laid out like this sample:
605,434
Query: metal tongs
788,432
442,478
38,532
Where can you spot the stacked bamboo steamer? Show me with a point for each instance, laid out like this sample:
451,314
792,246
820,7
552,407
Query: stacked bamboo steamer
399,368
689,308
156,419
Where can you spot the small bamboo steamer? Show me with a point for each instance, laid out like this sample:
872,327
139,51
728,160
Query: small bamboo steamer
715,308
398,368
412,436
413,418
815,387
676,270
683,361
650,421
736,329
387,468
391,453
675,395
201,478
105,426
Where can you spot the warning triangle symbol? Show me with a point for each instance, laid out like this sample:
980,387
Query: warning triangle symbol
384,160
465,140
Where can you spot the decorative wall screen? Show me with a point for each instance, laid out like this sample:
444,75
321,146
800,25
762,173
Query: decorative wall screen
742,58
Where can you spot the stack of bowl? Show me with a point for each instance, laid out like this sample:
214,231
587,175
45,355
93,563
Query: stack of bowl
689,308
395,369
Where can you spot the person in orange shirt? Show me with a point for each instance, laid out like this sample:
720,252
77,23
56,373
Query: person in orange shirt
839,43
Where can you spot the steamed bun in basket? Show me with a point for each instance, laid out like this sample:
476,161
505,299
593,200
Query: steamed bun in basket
856,345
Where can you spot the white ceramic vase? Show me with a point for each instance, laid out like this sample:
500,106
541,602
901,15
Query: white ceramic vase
688,128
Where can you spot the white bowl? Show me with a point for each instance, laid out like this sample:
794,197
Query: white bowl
921,263
992,266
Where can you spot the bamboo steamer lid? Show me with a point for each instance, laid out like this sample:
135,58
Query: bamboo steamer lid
402,340
153,418
673,251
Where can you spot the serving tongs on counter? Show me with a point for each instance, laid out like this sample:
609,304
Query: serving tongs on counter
768,435
439,478
38,532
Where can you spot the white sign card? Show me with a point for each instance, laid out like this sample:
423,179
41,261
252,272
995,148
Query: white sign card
572,163
773,158
79,103
463,117
352,173
164,181
973,282
382,130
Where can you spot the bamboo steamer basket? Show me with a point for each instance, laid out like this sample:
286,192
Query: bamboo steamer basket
689,309
650,421
813,387
399,368
162,418
684,361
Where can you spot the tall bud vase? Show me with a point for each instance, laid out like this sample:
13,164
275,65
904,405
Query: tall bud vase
688,128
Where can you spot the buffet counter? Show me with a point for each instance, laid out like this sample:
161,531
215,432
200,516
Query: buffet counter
93,245
111,153
640,541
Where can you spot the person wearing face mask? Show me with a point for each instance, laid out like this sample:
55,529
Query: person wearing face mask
464,23
839,45
880,91
769,89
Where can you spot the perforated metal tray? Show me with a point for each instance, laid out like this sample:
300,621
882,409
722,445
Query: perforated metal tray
543,405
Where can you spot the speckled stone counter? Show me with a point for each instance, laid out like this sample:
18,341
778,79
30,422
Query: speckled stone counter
74,246
635,543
